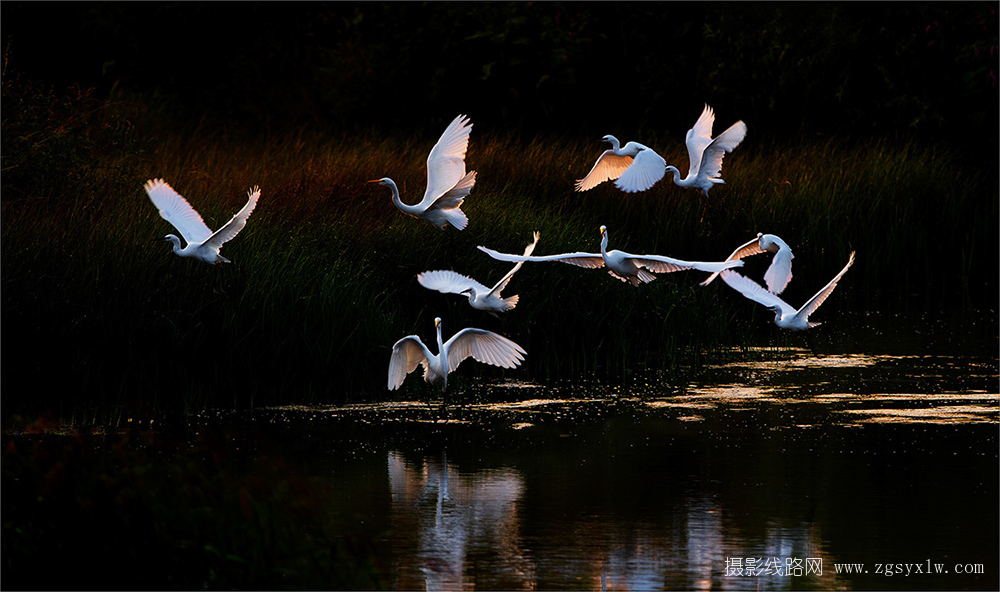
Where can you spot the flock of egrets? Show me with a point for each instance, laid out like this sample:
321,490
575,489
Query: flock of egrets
634,167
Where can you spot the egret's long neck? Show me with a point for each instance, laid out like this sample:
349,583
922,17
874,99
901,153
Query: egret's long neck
176,242
615,145
677,174
398,202
604,245
443,356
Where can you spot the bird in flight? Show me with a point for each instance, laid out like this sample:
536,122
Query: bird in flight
785,316
202,243
624,266
634,167
779,273
447,183
705,153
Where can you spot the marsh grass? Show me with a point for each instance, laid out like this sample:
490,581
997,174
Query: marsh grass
107,325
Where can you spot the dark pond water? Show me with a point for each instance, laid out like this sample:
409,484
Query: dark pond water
763,473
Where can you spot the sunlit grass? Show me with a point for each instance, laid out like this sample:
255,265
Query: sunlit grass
323,280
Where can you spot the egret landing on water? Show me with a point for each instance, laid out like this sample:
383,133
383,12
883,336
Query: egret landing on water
624,266
447,183
480,297
202,243
635,167
481,345
705,154
785,316
779,273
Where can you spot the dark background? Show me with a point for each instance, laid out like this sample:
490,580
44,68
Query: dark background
789,70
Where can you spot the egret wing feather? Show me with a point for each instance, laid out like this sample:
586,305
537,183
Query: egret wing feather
454,197
754,291
779,273
483,346
176,210
608,166
698,138
588,260
446,161
647,168
711,160
662,264
448,282
506,279
407,354
751,247
236,224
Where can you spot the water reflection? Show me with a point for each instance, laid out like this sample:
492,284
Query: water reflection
454,516
456,530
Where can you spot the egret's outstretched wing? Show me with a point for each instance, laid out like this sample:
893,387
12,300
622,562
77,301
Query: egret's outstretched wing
449,282
454,197
698,138
751,247
608,166
779,273
528,250
176,210
661,264
407,353
821,296
483,346
647,168
446,162
236,224
755,292
588,260
711,158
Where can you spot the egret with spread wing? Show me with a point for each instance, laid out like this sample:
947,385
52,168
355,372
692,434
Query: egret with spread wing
785,316
624,266
480,297
480,345
447,183
202,243
635,167
705,153
779,273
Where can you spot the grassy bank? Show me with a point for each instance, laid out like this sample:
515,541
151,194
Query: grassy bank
102,324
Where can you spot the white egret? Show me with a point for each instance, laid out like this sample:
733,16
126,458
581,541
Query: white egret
480,297
705,154
635,167
202,243
624,266
779,273
785,316
481,345
447,183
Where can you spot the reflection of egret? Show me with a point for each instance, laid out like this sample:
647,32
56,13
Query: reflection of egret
634,167
785,316
705,153
779,273
480,297
481,345
624,266
447,183
202,243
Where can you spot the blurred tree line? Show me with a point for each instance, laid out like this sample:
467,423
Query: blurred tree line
787,69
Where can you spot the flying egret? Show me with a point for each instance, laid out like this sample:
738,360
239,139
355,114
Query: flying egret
202,243
624,266
785,316
635,167
779,273
706,153
481,345
480,297
447,183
